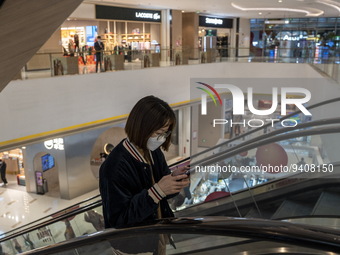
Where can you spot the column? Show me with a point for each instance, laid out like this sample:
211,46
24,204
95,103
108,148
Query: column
244,37
190,35
176,37
165,36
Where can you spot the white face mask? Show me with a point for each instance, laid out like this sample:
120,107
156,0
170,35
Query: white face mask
153,143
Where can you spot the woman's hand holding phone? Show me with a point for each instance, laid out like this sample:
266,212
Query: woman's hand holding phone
171,184
182,171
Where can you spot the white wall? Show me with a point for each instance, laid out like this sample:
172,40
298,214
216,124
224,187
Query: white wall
35,106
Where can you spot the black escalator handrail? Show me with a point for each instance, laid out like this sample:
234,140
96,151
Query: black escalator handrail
326,216
306,236
311,124
60,212
61,216
267,125
53,220
267,140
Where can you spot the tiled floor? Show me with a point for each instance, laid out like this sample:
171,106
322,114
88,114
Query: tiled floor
18,207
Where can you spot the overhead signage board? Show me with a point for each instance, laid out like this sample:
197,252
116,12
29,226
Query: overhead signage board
205,21
120,13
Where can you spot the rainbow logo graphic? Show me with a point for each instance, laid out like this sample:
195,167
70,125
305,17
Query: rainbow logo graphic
208,90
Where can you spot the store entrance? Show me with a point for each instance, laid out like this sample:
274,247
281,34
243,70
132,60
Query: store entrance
222,46
15,174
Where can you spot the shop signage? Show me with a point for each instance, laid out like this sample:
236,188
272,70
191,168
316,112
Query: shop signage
205,21
148,15
57,144
293,38
120,13
213,21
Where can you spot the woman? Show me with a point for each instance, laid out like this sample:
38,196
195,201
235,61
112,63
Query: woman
135,181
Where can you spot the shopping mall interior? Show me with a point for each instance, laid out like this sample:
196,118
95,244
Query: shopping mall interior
254,86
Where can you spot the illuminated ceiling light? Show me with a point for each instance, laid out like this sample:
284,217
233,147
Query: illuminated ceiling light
182,11
280,1
276,21
260,13
308,13
331,4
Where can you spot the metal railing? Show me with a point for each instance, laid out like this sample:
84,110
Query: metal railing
84,62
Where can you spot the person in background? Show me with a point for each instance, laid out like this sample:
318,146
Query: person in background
69,232
302,162
71,48
76,43
96,219
99,47
135,180
3,171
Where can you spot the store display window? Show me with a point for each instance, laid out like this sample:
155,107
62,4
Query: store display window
295,38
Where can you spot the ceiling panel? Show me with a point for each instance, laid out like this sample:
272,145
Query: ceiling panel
241,8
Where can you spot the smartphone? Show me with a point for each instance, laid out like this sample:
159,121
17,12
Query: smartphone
180,164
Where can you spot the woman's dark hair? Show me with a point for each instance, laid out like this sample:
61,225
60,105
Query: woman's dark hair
147,116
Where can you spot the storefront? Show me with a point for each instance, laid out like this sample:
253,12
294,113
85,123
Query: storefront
67,167
124,31
295,38
136,29
14,165
78,34
214,33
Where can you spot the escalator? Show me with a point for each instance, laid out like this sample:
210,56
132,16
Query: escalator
208,235
303,191
266,195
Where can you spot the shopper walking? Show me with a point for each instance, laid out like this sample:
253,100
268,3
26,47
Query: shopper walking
3,171
99,47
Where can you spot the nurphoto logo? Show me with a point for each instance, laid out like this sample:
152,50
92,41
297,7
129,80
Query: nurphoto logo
238,102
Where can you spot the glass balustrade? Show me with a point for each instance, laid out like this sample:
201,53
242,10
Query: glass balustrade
300,156
58,63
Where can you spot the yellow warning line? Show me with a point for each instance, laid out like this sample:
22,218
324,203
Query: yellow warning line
75,127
